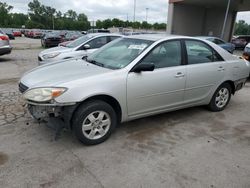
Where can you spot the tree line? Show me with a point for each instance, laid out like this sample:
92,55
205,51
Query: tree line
242,28
45,17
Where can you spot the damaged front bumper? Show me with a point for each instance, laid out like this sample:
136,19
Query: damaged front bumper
52,112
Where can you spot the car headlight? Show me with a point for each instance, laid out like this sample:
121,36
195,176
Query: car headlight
43,94
51,55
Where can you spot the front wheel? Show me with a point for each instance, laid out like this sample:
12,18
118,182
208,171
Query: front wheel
220,98
94,122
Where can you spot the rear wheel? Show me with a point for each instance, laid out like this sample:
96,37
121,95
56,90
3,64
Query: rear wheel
220,98
94,122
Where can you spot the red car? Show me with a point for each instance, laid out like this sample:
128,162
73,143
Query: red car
17,33
35,33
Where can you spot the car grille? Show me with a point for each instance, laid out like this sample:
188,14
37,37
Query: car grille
22,87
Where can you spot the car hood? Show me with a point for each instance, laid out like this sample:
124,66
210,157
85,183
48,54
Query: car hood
62,72
60,49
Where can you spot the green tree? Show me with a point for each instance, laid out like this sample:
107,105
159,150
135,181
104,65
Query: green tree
107,23
4,14
71,14
242,28
18,19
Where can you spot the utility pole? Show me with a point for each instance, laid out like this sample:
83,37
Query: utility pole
225,20
147,14
147,19
53,22
127,21
134,9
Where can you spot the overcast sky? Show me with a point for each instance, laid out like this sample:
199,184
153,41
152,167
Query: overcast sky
103,9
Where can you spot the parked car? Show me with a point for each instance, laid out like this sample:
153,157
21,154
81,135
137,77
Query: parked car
130,78
98,31
64,43
17,33
51,39
35,33
10,34
5,47
241,41
225,45
77,48
246,53
72,36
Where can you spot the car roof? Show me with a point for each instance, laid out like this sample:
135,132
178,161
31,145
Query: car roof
156,37
208,37
102,34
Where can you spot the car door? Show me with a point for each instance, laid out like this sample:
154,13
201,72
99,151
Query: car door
205,70
162,88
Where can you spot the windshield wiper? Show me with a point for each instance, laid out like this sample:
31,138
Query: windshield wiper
95,62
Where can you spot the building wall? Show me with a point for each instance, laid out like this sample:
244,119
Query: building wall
191,20
187,20
214,23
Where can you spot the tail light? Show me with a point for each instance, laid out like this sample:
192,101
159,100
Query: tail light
4,37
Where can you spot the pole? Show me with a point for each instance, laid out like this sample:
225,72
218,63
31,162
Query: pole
147,15
147,19
225,20
134,9
53,22
127,21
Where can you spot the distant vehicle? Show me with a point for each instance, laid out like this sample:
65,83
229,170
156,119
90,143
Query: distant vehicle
225,45
64,43
72,36
10,34
80,47
130,78
17,33
51,39
98,31
35,33
5,47
246,53
241,41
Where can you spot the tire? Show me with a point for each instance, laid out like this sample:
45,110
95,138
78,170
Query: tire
220,98
99,119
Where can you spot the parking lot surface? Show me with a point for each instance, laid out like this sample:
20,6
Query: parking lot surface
187,148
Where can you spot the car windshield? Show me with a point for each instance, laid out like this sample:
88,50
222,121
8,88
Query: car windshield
119,53
79,41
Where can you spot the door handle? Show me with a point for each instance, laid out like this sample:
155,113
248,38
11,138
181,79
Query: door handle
179,75
221,69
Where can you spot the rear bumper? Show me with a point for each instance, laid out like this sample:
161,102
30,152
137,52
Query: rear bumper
5,50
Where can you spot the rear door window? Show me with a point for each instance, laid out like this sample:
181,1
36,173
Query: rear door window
199,52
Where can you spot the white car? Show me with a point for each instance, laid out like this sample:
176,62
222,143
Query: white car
81,47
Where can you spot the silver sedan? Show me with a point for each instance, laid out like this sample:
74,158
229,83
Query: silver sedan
78,48
5,47
130,78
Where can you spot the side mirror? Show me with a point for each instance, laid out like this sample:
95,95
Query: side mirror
86,47
143,67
